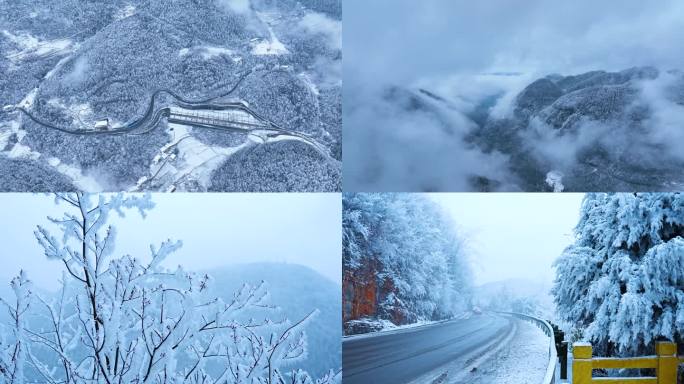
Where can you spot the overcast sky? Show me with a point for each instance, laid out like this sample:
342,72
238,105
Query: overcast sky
405,40
216,230
514,235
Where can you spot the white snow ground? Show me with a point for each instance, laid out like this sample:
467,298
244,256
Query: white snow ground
273,46
194,160
523,361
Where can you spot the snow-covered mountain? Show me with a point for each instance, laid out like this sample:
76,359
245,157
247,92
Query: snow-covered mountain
599,131
596,131
73,63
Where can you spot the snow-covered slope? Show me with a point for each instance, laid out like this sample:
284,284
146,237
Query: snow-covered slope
598,131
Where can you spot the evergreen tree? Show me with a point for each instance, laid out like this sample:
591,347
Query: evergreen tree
619,285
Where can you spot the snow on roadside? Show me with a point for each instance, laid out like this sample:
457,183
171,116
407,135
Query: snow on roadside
389,327
523,361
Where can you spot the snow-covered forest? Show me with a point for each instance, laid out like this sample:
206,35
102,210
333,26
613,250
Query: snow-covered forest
130,319
403,261
71,63
620,285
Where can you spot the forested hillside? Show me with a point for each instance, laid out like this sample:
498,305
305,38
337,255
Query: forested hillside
403,261
70,64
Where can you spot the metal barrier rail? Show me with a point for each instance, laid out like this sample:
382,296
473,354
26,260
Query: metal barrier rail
550,376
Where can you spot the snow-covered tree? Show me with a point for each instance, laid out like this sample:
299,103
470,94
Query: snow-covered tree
13,349
123,320
403,247
620,285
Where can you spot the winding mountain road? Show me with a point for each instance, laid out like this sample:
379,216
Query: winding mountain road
152,114
150,119
406,355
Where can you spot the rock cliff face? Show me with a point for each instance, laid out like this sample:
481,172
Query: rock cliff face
362,295
359,294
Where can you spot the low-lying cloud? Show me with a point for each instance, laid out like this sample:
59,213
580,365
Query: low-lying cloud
314,22
484,53
399,40
658,136
409,150
79,71
241,7
664,97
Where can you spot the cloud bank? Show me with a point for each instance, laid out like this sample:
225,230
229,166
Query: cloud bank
241,7
402,40
483,54
315,22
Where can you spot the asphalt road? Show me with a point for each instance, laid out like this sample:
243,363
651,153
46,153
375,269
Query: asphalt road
149,121
403,356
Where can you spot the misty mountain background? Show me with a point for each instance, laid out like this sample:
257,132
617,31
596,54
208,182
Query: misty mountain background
513,97
295,289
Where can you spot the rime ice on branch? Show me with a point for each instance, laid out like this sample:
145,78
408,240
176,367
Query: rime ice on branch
122,320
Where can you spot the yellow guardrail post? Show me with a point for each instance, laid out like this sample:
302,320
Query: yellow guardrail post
581,363
667,362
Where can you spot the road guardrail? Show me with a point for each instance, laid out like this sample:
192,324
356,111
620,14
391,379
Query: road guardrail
550,376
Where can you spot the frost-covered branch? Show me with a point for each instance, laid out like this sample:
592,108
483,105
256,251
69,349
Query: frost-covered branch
129,320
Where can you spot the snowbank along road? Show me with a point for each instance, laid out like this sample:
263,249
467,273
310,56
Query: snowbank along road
413,354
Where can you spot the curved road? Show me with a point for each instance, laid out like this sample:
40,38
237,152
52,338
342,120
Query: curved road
152,115
403,356
150,119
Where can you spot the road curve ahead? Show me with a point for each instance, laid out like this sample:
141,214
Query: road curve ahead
403,356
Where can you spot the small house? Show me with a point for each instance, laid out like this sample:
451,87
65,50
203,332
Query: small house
102,125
